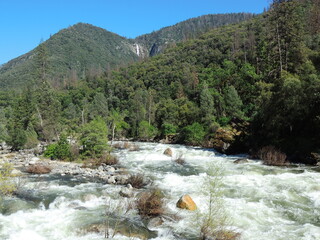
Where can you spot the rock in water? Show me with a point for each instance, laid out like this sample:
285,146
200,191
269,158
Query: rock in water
168,152
241,160
126,192
186,202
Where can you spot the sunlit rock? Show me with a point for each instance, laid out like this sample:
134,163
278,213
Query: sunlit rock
186,202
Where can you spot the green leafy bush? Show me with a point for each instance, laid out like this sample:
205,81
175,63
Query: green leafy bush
193,134
60,150
147,131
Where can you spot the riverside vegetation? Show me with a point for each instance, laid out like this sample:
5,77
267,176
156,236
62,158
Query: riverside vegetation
247,87
237,88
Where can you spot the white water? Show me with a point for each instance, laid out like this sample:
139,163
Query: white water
263,202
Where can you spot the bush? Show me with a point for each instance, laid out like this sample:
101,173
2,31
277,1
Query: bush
7,186
146,131
38,169
60,150
108,159
169,129
50,151
137,181
272,156
150,203
194,134
215,222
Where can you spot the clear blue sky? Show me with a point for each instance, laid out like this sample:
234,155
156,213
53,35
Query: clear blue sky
23,23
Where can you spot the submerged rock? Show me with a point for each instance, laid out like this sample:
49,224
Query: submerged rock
89,197
186,202
125,228
168,152
126,192
155,222
241,160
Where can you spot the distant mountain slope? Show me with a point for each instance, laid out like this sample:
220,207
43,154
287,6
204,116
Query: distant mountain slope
83,49
157,41
76,48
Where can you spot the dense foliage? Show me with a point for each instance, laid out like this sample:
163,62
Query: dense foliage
258,81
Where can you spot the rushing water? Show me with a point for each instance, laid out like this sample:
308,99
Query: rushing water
262,202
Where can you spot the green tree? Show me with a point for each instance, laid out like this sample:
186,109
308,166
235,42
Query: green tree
207,105
99,106
232,102
146,131
93,138
48,110
116,122
21,120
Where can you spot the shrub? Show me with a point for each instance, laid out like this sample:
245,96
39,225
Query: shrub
146,131
194,134
50,151
137,181
38,169
60,150
169,129
108,159
7,186
150,203
215,221
272,156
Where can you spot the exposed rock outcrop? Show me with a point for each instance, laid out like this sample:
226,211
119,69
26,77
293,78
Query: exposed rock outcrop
186,202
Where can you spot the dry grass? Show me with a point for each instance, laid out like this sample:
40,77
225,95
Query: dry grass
106,159
150,203
137,181
272,156
38,169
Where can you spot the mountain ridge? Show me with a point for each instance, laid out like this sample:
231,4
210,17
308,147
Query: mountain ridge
85,49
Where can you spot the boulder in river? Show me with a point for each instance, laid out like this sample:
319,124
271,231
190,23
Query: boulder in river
241,160
186,202
126,192
168,152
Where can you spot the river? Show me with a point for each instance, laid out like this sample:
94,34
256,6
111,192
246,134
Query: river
262,202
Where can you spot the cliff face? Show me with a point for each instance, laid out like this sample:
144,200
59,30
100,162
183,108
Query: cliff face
156,42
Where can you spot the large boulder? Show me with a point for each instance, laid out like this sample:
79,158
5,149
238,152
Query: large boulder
223,139
186,202
168,152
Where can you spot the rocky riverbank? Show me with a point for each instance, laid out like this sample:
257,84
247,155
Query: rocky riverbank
24,159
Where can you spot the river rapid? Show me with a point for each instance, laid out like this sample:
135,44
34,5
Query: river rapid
262,202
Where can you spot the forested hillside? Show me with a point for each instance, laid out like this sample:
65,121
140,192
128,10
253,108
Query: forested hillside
72,53
238,88
157,41
83,49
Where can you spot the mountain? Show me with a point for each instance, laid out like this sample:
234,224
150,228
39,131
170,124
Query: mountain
84,49
157,41
78,48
